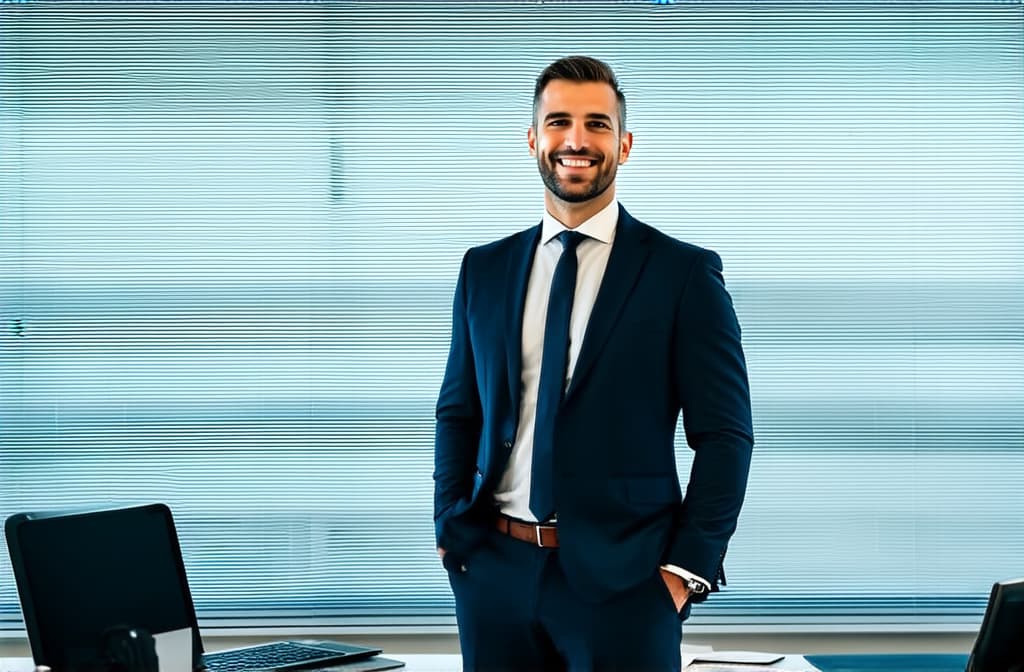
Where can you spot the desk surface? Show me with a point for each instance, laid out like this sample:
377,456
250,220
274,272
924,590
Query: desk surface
436,662
419,662
891,662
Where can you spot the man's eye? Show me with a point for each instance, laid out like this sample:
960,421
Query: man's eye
558,122
598,124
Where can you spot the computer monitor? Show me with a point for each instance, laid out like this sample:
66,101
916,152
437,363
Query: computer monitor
1000,643
81,573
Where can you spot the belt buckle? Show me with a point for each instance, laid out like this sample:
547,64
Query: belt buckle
540,537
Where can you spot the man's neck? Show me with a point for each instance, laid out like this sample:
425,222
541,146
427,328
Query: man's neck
574,214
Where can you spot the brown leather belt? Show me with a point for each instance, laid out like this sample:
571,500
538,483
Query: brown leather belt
544,536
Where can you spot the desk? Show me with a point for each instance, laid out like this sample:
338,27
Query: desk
423,662
420,662
891,662
896,662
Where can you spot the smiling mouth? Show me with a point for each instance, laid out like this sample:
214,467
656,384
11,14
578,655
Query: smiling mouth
576,163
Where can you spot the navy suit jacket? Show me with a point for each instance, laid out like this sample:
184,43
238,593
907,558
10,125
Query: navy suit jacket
662,339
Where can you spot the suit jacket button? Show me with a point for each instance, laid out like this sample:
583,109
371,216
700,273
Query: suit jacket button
507,444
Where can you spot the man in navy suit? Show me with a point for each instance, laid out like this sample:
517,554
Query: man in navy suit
575,345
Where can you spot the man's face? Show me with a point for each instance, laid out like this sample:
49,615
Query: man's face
577,140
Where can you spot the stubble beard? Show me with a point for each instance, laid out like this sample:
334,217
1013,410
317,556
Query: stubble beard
548,169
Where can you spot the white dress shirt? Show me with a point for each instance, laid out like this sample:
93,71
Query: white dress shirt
513,491
512,494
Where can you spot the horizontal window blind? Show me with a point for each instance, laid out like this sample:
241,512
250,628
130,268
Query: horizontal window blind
229,236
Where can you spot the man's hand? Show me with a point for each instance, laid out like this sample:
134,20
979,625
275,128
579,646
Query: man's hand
677,587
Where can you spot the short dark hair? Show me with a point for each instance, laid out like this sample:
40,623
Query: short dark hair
580,69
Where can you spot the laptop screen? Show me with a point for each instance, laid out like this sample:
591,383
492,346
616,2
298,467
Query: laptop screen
80,574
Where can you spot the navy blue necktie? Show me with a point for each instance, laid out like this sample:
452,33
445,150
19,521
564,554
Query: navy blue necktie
553,366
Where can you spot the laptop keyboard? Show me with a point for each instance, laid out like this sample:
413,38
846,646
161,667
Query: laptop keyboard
269,656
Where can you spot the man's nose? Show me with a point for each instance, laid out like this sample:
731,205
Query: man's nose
575,138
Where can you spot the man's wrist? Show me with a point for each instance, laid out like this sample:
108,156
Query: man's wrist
695,585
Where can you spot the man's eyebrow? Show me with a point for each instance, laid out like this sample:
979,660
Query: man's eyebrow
556,115
565,115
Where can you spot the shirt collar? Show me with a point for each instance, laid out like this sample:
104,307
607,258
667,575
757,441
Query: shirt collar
599,227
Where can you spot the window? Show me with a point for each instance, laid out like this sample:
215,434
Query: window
229,235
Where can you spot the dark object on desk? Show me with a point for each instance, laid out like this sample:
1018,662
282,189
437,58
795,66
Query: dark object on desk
80,573
738,658
999,647
1000,643
281,656
374,664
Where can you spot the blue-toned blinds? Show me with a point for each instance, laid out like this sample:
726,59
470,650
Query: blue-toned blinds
229,234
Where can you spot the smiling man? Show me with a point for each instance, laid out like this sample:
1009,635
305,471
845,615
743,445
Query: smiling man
576,344
578,158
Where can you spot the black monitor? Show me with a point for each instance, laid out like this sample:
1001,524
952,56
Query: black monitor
79,574
1000,643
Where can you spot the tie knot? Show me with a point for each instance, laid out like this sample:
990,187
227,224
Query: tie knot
570,239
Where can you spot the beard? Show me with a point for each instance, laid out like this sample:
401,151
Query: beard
576,189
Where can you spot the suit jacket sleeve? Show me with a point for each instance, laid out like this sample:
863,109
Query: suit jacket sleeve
459,419
711,381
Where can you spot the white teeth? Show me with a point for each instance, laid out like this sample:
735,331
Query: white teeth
575,163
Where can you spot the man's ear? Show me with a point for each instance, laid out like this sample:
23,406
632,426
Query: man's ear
531,140
625,146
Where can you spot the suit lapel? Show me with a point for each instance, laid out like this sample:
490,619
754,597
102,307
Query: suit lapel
519,264
629,252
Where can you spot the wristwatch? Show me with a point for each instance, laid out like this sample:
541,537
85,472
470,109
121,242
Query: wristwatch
694,586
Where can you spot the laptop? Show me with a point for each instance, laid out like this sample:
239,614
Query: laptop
80,574
999,647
